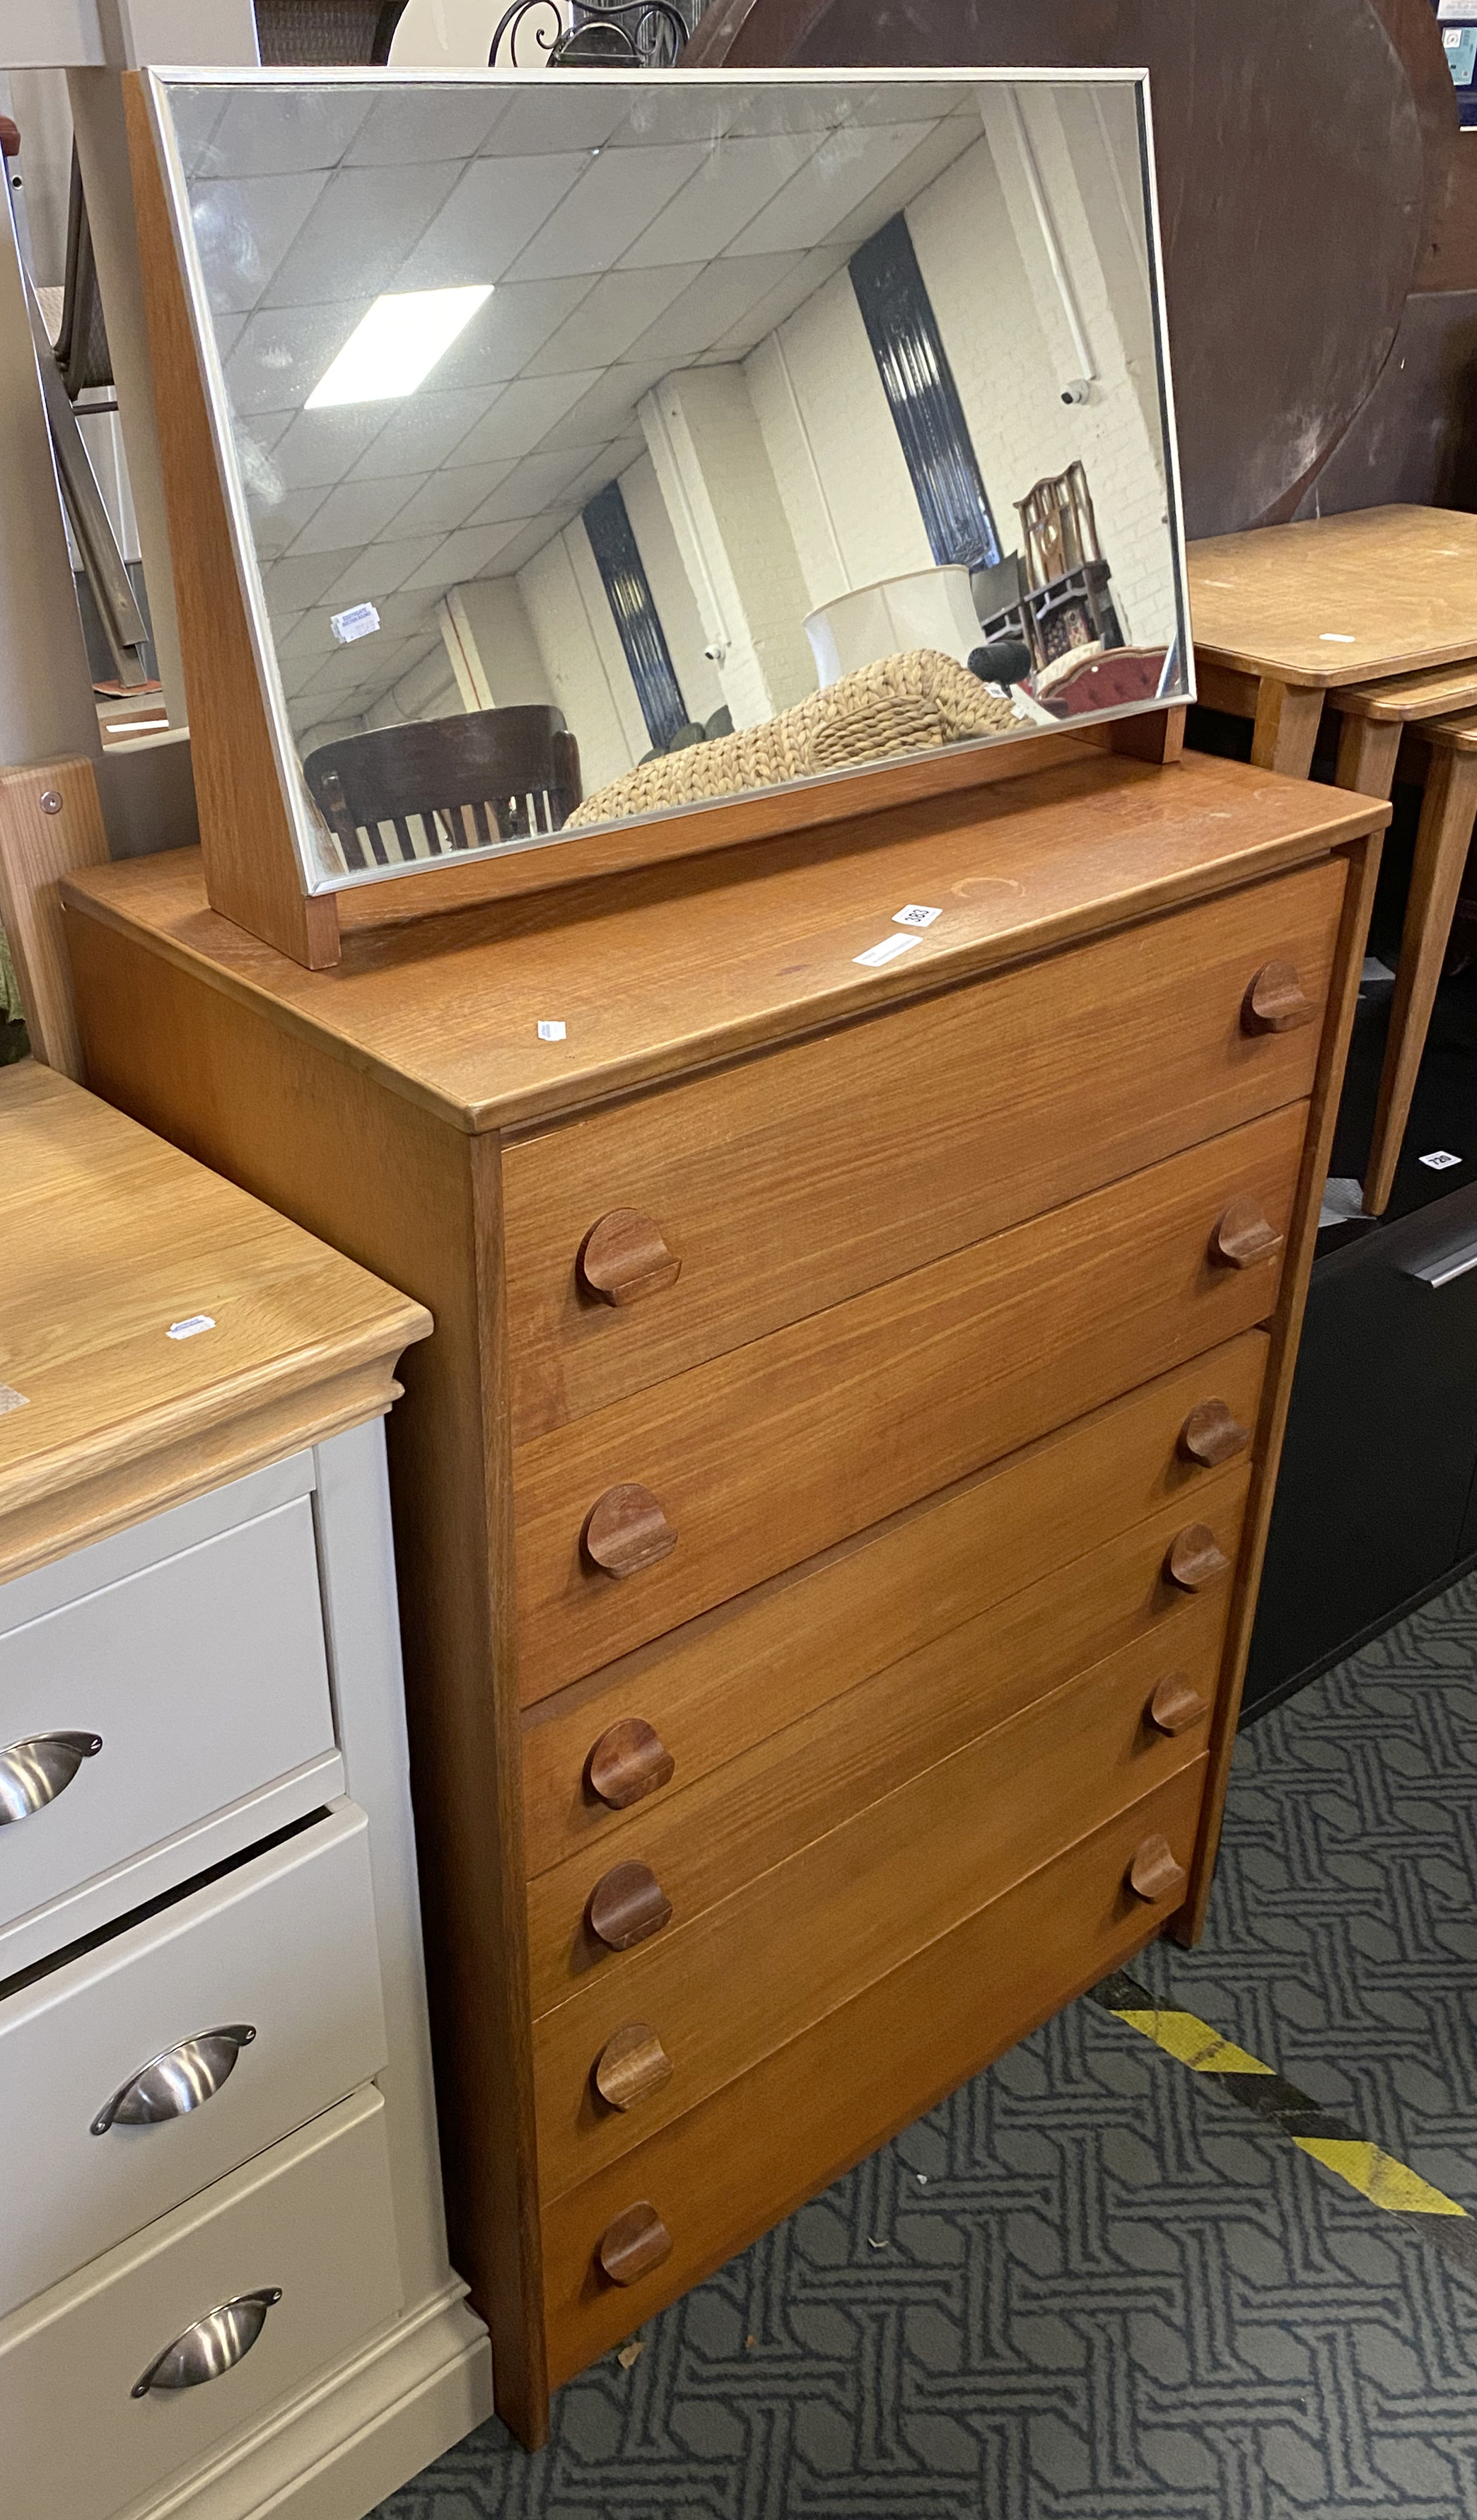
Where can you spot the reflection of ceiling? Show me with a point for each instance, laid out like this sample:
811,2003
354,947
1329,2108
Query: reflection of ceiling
629,229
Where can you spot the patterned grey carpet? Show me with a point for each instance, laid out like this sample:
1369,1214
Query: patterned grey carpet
1089,2287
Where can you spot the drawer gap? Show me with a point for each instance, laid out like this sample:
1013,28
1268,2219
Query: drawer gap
117,1925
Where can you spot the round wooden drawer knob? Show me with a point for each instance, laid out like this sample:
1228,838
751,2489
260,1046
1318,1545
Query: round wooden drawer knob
1277,1001
634,2244
1244,1236
1196,1558
632,2064
1177,1704
626,1905
628,1761
625,1256
1213,1433
627,1530
1154,1873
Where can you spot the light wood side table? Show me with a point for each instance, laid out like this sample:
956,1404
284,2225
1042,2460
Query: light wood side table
1286,617
1443,839
1377,716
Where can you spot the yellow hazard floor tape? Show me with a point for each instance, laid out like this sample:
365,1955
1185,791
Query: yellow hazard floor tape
1316,2131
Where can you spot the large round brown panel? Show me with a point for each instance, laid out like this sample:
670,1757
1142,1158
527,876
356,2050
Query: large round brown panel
1291,181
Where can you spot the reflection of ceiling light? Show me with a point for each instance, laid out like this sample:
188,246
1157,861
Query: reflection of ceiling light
397,344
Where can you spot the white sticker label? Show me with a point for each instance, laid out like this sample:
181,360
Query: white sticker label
914,915
551,1031
1337,638
887,952
11,1399
1440,1162
191,1328
357,623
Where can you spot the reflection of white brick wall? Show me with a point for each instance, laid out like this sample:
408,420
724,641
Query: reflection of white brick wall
1001,317
564,598
979,248
720,493
842,475
489,640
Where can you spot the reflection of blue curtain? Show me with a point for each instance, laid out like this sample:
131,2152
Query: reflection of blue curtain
924,399
637,619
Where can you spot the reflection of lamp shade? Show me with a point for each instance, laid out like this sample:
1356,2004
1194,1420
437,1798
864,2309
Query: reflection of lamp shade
930,607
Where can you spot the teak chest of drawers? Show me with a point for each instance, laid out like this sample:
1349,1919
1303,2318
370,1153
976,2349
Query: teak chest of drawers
832,1501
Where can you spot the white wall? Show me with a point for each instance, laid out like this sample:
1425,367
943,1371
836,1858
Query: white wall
490,646
1010,369
843,478
716,482
828,432
569,615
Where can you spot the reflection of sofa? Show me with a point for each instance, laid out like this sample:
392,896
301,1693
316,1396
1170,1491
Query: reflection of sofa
1102,678
910,704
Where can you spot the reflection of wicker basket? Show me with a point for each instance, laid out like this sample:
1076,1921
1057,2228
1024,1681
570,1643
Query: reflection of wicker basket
910,704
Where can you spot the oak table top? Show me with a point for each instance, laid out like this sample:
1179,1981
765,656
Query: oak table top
651,974
112,1240
1338,599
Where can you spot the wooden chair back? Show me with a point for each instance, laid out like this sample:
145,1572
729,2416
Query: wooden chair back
446,783
1057,525
51,825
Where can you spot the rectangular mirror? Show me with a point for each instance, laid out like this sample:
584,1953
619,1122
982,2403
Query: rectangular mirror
600,445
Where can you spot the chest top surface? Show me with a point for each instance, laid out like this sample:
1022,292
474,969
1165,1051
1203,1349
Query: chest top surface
513,1013
113,1240
1337,599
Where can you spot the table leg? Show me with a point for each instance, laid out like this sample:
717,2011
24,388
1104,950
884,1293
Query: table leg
1286,727
1441,852
1367,756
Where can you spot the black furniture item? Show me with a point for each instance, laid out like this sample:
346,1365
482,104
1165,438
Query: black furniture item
1376,1505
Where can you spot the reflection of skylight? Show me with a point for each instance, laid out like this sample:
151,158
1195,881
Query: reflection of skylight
397,344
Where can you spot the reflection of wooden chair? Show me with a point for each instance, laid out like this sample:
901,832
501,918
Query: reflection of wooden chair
446,784
1059,526
1065,603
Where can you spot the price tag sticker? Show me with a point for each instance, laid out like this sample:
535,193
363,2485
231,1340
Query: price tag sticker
11,1399
887,952
914,915
191,1327
549,1031
1439,1161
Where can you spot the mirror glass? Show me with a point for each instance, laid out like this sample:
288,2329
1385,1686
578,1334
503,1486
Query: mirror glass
603,445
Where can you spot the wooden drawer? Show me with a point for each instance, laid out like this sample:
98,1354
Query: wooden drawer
755,1972
754,2151
313,2220
784,1792
762,1458
1112,1058
201,1676
283,1947
739,1674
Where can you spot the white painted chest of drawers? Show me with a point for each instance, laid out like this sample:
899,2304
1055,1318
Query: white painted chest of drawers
223,2276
